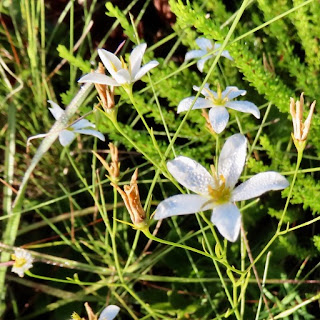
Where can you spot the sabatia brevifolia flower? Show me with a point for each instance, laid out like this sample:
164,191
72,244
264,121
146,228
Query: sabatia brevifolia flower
108,313
300,129
206,46
218,102
131,198
217,192
122,74
67,135
22,261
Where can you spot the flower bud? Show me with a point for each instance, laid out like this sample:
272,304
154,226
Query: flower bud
300,129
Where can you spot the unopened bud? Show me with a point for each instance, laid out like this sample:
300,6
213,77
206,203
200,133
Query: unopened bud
300,128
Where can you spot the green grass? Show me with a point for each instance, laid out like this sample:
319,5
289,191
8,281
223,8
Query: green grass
59,204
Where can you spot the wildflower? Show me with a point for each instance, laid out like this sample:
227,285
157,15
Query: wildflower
300,129
23,261
109,313
206,46
217,192
67,135
218,101
131,198
121,73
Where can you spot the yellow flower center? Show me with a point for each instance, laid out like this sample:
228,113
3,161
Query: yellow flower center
219,100
19,262
221,194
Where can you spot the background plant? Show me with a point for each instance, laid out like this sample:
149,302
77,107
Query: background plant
85,255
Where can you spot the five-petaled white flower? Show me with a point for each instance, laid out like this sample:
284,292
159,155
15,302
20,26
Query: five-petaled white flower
218,101
67,135
22,261
206,46
109,313
217,192
121,73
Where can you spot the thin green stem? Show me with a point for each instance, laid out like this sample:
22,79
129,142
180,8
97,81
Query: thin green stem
278,232
131,97
182,246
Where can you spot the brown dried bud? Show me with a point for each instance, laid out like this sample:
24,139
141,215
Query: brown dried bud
114,167
208,123
91,315
131,198
300,129
105,92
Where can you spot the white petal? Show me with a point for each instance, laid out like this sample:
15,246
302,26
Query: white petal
100,78
91,132
233,92
81,124
204,44
227,219
206,91
55,110
109,313
194,54
259,184
37,136
110,61
216,46
146,68
200,103
244,106
232,159
191,174
201,62
66,137
219,118
136,58
122,76
226,54
182,204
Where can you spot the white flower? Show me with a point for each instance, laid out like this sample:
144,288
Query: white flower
217,192
23,261
206,46
66,136
109,313
121,73
218,101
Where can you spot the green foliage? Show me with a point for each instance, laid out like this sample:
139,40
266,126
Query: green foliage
115,12
73,218
77,61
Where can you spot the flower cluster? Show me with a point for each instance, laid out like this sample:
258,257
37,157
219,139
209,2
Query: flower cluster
216,191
